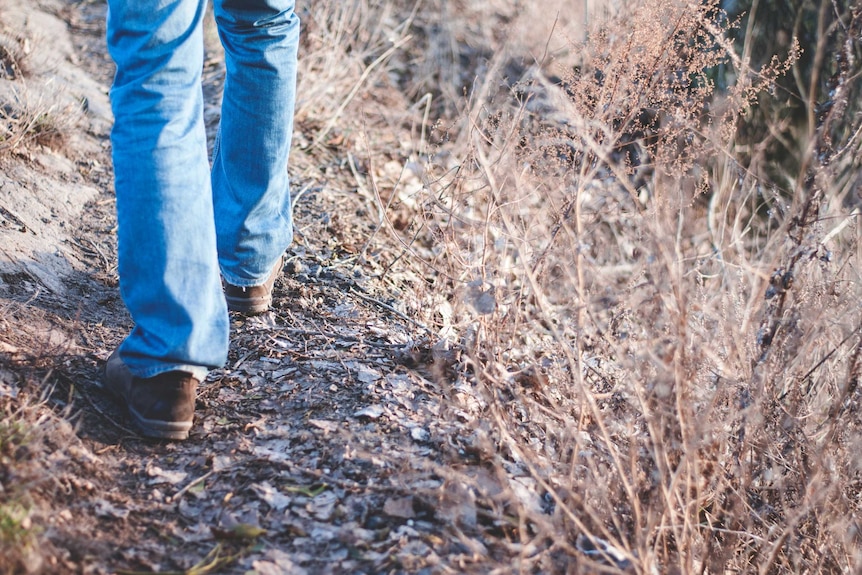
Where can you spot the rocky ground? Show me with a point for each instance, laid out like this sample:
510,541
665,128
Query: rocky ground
338,438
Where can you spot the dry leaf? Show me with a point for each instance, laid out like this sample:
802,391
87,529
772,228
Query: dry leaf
271,496
104,508
325,425
160,475
399,507
484,301
420,434
458,504
277,562
323,505
370,412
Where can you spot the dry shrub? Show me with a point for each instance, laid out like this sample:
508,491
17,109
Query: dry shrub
669,347
26,119
345,46
778,135
20,473
14,49
44,466
28,116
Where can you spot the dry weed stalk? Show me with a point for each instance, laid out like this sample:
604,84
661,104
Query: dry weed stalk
27,119
25,116
344,48
662,356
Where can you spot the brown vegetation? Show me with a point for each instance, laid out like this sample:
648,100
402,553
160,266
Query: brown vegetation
639,323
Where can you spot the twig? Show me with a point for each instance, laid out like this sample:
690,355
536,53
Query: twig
295,199
209,564
363,191
241,360
178,495
341,483
105,260
840,227
823,360
391,309
427,98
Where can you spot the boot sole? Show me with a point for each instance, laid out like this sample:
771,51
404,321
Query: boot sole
159,429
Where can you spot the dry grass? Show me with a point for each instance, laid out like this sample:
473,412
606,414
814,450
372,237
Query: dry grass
669,344
28,120
22,472
28,117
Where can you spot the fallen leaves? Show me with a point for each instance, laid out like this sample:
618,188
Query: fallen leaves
213,562
320,448
401,507
276,500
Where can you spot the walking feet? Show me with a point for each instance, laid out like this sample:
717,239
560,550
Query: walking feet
252,300
162,406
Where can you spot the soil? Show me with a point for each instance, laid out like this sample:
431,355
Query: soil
338,438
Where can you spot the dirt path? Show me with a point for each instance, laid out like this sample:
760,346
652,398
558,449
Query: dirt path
324,446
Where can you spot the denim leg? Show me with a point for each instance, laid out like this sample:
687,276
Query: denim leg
249,175
168,263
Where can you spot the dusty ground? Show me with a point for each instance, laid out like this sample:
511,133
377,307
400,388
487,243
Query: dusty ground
335,441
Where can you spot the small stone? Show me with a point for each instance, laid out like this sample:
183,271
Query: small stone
420,434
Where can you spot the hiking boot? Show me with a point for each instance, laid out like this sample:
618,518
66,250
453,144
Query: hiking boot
162,406
252,300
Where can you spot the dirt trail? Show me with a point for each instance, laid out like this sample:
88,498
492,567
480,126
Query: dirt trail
324,446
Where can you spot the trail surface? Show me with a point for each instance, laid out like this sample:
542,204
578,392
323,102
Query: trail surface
326,445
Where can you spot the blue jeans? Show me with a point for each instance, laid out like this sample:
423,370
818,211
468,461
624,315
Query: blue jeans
182,223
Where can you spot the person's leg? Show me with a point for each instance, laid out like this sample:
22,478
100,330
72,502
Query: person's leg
249,174
169,276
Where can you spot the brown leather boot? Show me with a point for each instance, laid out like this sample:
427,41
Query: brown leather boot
252,300
162,406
